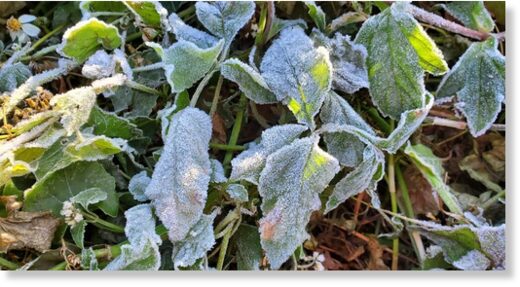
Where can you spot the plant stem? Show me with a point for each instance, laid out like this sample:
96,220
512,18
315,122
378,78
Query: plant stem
142,88
47,36
223,246
393,200
227,147
200,87
236,130
493,199
216,96
103,223
382,124
150,67
8,264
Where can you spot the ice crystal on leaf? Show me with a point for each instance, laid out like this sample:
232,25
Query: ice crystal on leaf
473,14
185,32
290,185
12,76
179,184
149,13
138,184
237,192
317,15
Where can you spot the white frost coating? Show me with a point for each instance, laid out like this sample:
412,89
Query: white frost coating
347,148
317,15
348,61
165,115
13,75
197,242
361,178
143,251
89,196
297,71
163,14
249,164
179,185
290,185
185,63
217,172
249,81
187,33
138,184
225,18
478,80
75,106
473,260
493,242
99,65
237,192
47,138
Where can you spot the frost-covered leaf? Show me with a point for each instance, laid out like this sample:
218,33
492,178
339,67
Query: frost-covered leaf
143,251
249,164
281,24
89,260
148,13
179,185
363,177
431,168
75,106
473,14
12,76
399,51
111,125
50,193
225,18
138,184
197,242
89,196
99,65
185,32
290,185
478,80
237,192
86,37
217,172
317,15
298,72
249,250
347,148
78,233
250,82
185,63
348,62
11,167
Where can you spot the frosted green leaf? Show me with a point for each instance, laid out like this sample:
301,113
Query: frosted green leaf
142,253
9,168
217,172
180,180
50,193
317,15
348,62
473,14
290,185
478,80
111,125
347,148
185,32
75,106
249,164
78,233
148,13
399,51
249,250
198,241
88,197
86,37
298,72
225,18
361,178
12,76
99,65
138,184
237,192
281,24
250,82
89,260
185,63
431,168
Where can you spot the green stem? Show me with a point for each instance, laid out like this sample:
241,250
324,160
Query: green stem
216,96
8,264
227,147
381,123
236,130
393,199
94,219
150,67
223,247
493,199
142,88
40,53
408,208
200,87
133,36
47,36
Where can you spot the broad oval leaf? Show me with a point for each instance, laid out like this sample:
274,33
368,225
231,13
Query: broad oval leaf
180,180
298,72
148,13
399,51
13,76
185,32
250,82
85,38
138,184
473,14
249,164
237,192
249,250
290,185
478,80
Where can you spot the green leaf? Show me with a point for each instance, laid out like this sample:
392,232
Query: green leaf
86,37
473,14
290,185
89,196
225,18
138,184
237,192
317,15
180,180
250,82
478,80
89,260
298,72
249,164
185,32
148,13
74,106
50,193
431,168
399,51
185,63
110,125
249,250
13,76
78,233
